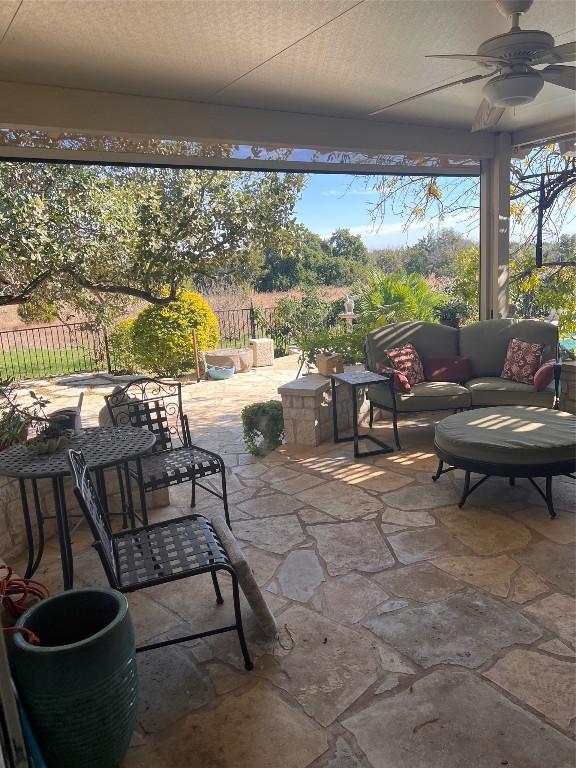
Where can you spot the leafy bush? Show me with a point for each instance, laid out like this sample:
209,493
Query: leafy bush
263,426
339,340
294,317
121,347
162,335
385,298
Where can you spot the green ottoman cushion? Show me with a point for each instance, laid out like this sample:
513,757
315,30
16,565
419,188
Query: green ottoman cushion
509,435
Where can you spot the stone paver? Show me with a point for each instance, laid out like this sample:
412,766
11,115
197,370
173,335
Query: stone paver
492,574
415,546
561,530
465,629
349,547
407,518
300,574
415,497
244,731
485,532
543,683
340,500
555,563
270,504
423,582
344,756
557,613
350,597
450,719
527,585
276,534
329,667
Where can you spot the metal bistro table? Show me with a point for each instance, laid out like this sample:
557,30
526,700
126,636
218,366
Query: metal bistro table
103,447
357,380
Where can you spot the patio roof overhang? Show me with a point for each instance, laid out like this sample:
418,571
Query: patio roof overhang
289,84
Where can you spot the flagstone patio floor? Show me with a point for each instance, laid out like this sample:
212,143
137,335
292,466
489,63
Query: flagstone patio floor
412,634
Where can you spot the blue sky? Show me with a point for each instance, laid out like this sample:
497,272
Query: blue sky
330,201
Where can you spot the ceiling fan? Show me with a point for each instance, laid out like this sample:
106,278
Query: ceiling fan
509,60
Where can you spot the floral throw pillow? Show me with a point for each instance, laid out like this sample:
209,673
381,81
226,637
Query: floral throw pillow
406,360
522,361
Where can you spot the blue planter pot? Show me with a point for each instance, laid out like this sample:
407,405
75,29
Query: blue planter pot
79,686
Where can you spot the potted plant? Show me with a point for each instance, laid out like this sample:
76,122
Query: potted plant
15,418
263,425
453,312
75,669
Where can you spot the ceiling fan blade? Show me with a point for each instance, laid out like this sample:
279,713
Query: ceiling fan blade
487,116
492,60
562,53
464,81
559,75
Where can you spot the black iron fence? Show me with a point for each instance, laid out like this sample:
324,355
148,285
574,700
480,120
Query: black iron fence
53,350
58,350
237,326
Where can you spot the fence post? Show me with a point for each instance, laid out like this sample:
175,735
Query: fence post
196,359
107,351
252,320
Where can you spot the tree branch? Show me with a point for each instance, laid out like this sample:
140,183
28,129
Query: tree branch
26,294
126,290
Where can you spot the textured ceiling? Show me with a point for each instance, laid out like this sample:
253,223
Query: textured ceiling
331,57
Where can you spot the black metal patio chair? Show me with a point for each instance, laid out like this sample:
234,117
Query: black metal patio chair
155,554
157,405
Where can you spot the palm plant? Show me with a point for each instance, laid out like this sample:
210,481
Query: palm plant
392,298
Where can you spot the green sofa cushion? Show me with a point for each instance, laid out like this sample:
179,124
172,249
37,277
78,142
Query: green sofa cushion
509,435
426,396
429,340
492,390
485,343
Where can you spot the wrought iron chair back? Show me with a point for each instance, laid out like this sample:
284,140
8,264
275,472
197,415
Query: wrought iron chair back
155,404
91,508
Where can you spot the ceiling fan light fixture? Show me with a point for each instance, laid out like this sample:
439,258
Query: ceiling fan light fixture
513,89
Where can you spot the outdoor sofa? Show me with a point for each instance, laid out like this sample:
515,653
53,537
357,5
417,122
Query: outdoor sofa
484,344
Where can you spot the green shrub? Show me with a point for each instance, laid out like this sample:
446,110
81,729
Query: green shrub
341,340
121,347
263,425
386,298
163,334
294,317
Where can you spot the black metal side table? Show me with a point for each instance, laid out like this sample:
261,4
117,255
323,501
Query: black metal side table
103,447
357,380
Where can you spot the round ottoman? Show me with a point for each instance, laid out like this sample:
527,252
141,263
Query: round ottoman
511,441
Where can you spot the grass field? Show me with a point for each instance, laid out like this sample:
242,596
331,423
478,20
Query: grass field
33,363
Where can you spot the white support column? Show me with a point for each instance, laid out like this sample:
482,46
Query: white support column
495,230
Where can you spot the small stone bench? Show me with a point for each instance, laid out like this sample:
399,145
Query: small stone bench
307,406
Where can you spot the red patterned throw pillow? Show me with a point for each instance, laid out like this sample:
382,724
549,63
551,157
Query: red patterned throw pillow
522,361
401,383
544,375
406,360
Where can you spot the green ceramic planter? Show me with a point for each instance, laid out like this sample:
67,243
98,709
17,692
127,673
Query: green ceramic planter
79,686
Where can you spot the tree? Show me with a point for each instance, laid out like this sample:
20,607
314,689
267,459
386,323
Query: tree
307,260
385,298
84,234
533,292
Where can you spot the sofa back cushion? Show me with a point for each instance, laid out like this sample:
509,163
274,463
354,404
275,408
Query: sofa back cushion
447,368
485,343
429,340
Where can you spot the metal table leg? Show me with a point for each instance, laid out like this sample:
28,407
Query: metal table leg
63,532
28,529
